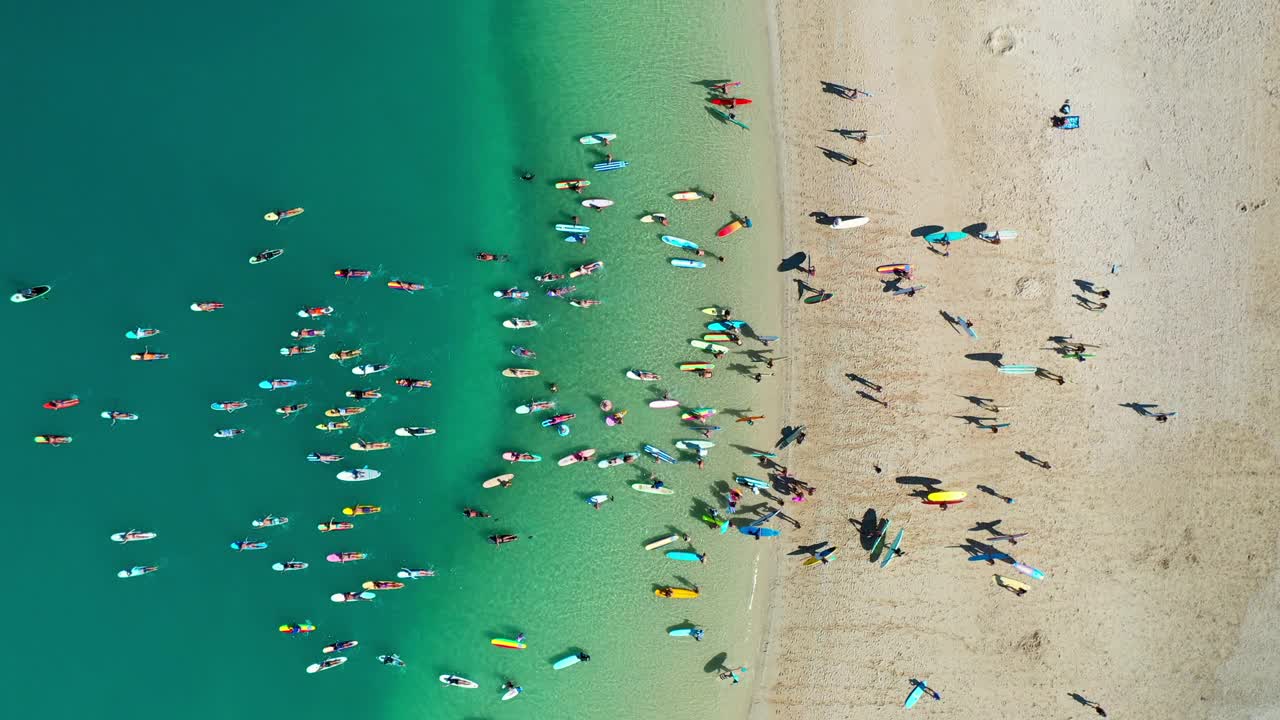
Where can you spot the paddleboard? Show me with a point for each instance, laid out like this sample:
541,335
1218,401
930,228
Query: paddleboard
573,228
897,540
759,532
679,242
566,184
607,166
715,337
844,222
946,496
597,203
597,138
661,541
1018,369
726,325
684,556
508,644
647,488
697,366
31,293
950,236
694,444
660,404
687,195
520,373
815,299
494,482
733,227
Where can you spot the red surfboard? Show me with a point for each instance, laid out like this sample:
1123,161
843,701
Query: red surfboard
731,102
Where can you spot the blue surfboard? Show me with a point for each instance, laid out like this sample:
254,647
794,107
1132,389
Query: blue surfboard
683,555
679,242
682,263
759,532
607,166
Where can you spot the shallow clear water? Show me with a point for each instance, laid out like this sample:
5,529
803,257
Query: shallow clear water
146,157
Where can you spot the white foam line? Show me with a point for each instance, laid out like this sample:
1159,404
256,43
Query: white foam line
755,573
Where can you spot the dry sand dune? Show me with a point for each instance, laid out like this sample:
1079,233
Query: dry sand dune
1159,541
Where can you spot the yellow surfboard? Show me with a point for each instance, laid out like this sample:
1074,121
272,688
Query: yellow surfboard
947,496
1011,585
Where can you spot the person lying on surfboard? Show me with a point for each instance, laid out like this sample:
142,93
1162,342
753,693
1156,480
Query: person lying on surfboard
490,257
468,512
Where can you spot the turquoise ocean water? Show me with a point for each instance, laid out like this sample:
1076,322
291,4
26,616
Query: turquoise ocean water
144,148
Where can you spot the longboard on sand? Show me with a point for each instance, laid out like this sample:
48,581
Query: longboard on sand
890,548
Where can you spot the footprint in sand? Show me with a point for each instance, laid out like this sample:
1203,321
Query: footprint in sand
1002,40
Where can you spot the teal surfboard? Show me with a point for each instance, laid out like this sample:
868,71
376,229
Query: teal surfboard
880,536
914,696
692,264
573,228
888,557
1018,369
951,236
685,556
679,242
727,325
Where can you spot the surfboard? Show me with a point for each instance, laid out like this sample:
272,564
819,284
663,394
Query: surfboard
759,532
1018,369
691,264
881,534
709,347
815,299
694,444
659,454
751,482
967,327
711,310
829,555
726,325
1011,584
661,541
597,203
684,556
725,117
679,242
563,227
950,236
597,138
844,222
1028,571
697,366
1003,538
647,488
909,290
914,695
946,496
894,267
566,184
598,499
607,166
715,337
988,557
897,540
494,482
508,644
660,404
733,227
687,195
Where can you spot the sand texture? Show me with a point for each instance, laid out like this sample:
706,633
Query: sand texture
1159,541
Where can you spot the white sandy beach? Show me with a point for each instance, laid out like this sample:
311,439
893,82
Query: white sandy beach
1159,541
